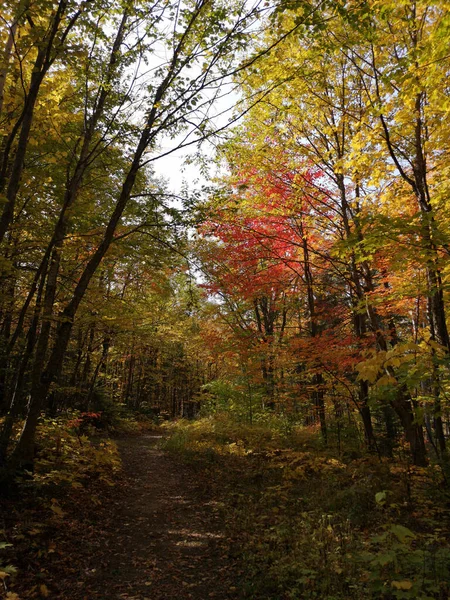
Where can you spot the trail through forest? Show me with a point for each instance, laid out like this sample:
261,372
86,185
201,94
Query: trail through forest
163,538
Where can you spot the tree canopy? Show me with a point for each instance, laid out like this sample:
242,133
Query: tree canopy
312,271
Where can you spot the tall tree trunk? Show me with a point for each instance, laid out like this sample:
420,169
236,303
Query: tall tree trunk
5,61
359,319
101,362
317,379
15,396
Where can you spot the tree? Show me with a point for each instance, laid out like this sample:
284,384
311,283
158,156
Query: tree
337,95
203,39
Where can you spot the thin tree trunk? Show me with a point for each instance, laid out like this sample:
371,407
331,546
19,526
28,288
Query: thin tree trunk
42,64
5,62
317,380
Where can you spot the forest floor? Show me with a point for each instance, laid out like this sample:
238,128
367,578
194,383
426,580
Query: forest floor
158,535
214,509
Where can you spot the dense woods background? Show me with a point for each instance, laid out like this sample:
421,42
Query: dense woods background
306,285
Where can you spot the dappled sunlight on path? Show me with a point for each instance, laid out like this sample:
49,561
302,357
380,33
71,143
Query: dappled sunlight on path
169,540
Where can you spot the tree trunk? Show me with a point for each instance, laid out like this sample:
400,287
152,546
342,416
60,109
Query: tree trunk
42,64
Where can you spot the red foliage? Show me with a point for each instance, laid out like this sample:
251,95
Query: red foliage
86,419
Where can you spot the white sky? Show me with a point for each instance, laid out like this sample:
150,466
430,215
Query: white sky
173,167
175,172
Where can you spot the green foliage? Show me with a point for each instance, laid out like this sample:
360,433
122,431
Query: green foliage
399,563
233,398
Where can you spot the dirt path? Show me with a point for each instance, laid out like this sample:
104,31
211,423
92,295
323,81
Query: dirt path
163,539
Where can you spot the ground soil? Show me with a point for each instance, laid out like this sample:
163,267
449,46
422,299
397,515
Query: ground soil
158,535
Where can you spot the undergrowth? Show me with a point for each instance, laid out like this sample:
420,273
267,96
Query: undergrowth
76,463
310,522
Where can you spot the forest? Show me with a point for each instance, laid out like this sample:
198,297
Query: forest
236,386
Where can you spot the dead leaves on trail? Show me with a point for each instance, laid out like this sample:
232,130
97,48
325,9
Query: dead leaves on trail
153,536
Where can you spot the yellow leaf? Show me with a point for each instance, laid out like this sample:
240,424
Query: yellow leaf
386,380
394,362
57,509
44,590
402,585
